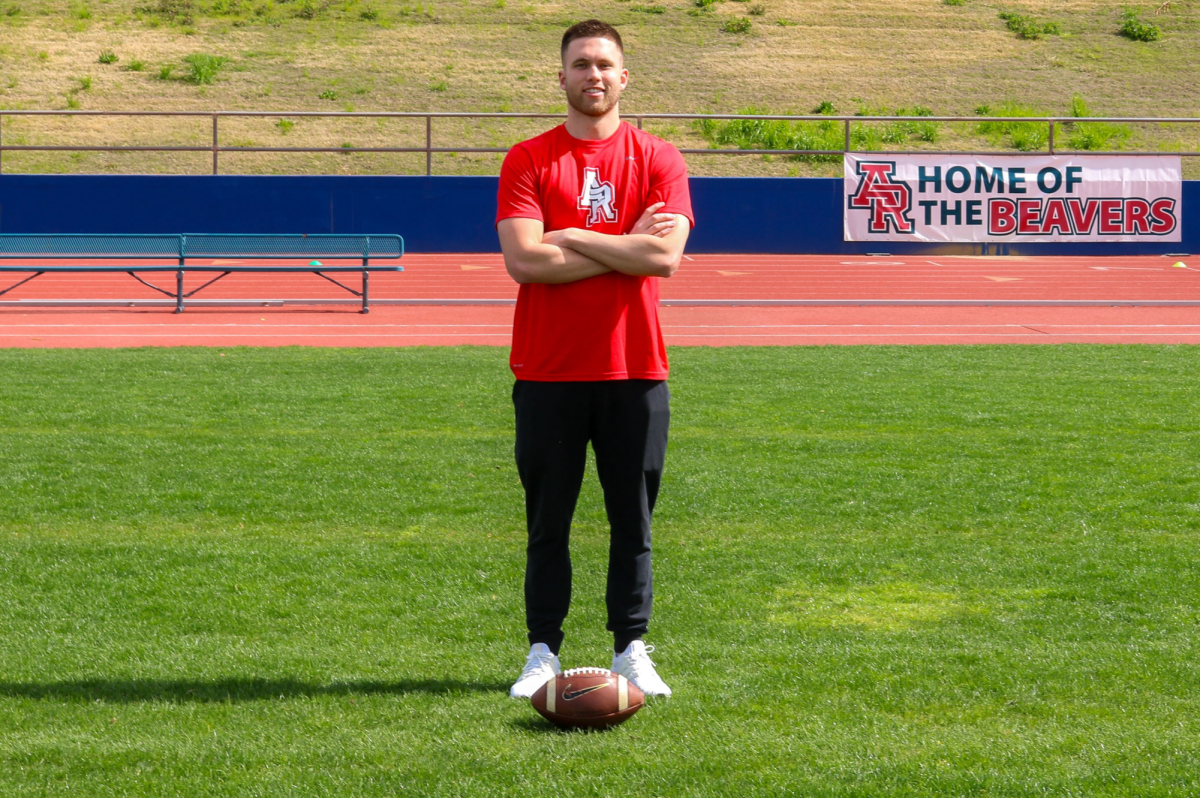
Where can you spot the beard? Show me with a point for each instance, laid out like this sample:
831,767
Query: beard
584,105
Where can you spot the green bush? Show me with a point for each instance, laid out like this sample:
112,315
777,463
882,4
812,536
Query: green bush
1098,136
779,135
204,67
1027,27
1079,106
107,57
736,25
1030,138
311,9
764,134
1094,135
136,65
328,94
899,132
1024,136
1132,27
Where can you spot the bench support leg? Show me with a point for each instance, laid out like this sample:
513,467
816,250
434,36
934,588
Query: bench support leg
179,291
366,308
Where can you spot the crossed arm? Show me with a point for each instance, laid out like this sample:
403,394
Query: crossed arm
653,248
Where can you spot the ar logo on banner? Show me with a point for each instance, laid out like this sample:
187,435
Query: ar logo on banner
889,201
596,197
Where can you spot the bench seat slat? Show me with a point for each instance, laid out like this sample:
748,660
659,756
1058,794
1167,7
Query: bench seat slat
198,245
25,245
210,245
154,267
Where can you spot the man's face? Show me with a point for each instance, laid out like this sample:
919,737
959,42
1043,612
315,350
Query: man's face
593,75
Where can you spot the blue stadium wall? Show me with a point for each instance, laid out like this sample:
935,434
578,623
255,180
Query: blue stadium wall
454,214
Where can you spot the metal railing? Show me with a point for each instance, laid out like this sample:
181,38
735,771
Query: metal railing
216,148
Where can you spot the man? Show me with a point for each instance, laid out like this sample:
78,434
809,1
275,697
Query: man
591,214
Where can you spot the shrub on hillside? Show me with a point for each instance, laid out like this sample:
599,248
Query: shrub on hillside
899,132
1132,27
775,134
204,67
1027,27
1094,135
1024,136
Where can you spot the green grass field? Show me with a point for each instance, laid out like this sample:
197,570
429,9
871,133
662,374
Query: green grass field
881,572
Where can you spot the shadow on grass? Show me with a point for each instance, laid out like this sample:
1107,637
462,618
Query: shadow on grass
129,691
536,723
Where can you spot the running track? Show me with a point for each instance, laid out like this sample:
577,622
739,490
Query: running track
714,300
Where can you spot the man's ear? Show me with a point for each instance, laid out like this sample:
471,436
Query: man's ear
562,80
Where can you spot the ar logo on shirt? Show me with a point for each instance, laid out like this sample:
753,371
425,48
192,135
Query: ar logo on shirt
596,198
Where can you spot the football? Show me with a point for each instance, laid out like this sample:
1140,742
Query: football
589,698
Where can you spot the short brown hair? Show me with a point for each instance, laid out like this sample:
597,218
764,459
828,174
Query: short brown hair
591,29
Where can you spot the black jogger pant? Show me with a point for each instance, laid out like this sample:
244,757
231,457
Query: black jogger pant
626,422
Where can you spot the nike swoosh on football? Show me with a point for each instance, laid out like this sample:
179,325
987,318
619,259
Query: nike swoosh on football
571,695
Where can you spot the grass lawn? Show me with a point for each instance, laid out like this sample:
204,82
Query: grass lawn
881,571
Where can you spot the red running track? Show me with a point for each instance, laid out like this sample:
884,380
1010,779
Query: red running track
727,279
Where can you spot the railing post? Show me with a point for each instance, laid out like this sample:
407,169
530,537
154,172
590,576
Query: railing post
214,144
846,144
639,121
366,285
179,274
1051,136
428,146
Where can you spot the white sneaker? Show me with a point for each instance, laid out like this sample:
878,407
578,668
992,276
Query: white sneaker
540,667
634,664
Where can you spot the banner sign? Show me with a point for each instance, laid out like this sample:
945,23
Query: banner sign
1027,198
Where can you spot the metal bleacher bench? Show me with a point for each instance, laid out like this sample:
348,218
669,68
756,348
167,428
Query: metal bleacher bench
184,249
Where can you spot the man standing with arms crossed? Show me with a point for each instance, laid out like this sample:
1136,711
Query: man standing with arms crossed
590,215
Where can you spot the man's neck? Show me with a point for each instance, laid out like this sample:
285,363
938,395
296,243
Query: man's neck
593,128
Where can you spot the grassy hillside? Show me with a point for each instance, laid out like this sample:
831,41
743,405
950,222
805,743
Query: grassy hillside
500,55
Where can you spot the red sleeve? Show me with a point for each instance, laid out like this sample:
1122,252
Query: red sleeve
669,182
519,195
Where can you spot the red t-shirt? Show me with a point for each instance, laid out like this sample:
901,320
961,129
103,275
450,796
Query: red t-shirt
605,327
